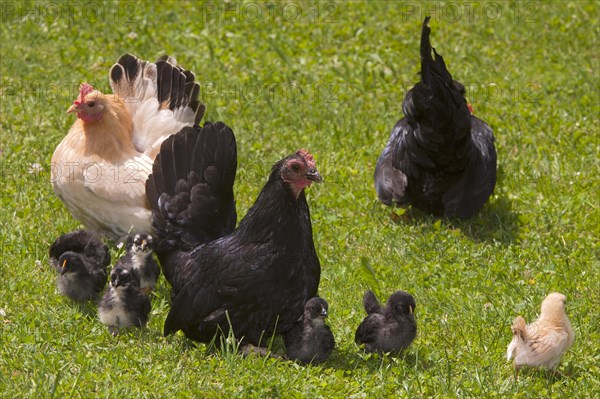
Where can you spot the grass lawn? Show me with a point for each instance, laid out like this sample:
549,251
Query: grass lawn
329,76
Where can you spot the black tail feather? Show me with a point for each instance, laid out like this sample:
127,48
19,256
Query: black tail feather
190,189
192,94
371,303
177,87
426,59
164,72
434,73
437,112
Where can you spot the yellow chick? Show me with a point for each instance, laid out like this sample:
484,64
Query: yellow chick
543,342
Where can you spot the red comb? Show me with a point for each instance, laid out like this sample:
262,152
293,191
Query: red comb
308,158
84,90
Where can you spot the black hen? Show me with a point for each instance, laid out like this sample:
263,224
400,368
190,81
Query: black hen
310,340
388,329
256,279
80,258
439,158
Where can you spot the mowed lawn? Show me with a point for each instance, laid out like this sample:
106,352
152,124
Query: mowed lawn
328,76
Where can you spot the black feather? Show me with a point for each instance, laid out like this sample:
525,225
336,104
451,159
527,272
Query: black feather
164,72
371,303
176,87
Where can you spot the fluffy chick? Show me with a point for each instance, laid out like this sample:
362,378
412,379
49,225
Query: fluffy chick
390,329
80,259
139,256
310,340
124,304
543,342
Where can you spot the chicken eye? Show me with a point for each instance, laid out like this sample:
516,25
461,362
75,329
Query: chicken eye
91,104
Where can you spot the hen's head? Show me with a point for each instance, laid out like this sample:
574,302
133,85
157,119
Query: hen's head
298,171
90,104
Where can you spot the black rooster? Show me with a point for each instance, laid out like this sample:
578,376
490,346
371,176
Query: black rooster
255,279
439,158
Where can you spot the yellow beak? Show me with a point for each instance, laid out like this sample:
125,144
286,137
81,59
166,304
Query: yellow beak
73,108
64,264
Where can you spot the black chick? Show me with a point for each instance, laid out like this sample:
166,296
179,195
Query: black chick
255,279
390,329
80,259
310,340
124,304
439,158
138,255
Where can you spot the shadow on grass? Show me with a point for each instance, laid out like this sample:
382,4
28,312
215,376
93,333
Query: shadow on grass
551,376
350,360
496,221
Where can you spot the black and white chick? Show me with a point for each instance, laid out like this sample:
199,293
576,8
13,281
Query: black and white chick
138,255
388,329
124,304
80,258
310,340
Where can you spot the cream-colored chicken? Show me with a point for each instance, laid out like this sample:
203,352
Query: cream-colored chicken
99,170
543,342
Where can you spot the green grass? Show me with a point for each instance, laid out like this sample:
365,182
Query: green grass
329,77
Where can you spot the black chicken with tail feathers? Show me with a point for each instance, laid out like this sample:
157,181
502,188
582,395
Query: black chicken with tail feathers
255,278
439,158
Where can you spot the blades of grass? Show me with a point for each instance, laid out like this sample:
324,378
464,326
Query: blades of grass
368,274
